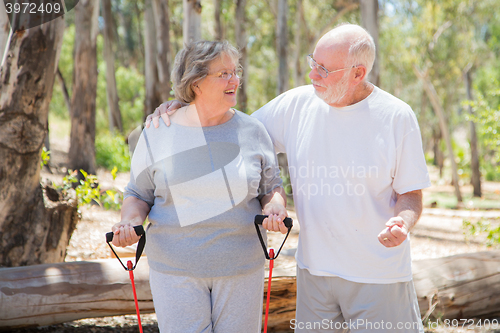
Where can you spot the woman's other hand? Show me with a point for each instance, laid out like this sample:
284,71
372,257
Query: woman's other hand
276,214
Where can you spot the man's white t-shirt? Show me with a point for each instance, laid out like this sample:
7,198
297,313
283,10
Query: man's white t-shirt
346,166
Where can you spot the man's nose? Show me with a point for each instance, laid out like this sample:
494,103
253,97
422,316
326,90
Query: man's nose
313,74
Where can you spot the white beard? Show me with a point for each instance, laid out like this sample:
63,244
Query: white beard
336,92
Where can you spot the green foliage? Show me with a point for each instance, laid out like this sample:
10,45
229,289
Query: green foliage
57,104
482,227
88,190
45,157
112,151
130,84
487,120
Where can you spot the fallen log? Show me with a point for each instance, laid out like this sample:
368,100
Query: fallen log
49,294
463,286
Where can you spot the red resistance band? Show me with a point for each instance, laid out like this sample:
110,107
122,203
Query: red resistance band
271,257
139,230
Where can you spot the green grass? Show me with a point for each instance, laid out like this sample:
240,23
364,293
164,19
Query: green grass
448,200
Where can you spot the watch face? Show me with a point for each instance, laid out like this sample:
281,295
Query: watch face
25,14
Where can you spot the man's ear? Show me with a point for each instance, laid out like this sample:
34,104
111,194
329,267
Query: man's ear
359,74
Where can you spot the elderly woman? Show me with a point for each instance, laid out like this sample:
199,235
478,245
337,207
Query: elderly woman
201,182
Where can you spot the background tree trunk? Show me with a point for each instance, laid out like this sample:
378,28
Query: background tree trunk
192,21
83,101
219,31
369,21
153,98
438,109
162,22
282,39
241,42
33,229
298,61
115,117
474,154
64,88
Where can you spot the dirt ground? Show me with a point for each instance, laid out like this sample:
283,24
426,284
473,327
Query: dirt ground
439,233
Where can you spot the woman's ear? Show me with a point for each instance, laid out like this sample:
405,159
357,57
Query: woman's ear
196,88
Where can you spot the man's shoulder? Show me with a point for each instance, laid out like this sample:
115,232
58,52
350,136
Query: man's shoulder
390,99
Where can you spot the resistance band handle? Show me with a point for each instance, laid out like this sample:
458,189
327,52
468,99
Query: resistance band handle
258,221
139,230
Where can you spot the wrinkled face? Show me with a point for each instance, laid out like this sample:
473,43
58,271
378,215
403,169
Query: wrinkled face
335,86
215,90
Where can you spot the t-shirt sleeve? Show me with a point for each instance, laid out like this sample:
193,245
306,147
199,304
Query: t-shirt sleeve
411,172
270,174
273,116
141,184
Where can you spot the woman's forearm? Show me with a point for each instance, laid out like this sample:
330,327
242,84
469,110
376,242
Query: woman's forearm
134,211
276,196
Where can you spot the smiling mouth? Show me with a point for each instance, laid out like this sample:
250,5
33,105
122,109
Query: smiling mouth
229,92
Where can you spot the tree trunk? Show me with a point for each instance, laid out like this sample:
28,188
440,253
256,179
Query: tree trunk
438,109
162,22
33,229
83,101
282,36
369,21
474,155
153,98
115,116
64,88
219,31
458,287
4,32
241,42
298,61
192,21
438,154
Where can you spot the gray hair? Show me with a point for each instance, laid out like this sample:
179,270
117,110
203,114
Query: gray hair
192,62
362,50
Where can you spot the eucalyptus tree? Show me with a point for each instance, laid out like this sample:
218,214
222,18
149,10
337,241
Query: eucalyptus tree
435,41
35,227
84,87
115,117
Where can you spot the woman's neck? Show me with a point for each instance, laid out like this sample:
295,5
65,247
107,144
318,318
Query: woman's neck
209,116
195,116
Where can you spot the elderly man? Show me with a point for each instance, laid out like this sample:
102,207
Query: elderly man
357,169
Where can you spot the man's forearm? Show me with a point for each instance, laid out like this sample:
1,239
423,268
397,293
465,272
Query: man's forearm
409,207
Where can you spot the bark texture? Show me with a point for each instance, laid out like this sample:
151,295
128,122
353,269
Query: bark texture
33,228
83,101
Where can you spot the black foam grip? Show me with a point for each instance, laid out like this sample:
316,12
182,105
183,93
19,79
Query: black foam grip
139,231
260,218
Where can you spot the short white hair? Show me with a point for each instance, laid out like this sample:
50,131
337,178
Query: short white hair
362,49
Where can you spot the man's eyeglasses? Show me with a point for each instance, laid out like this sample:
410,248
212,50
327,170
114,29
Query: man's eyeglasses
322,71
227,75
